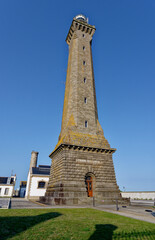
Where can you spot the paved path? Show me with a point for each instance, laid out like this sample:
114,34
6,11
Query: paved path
136,212
21,203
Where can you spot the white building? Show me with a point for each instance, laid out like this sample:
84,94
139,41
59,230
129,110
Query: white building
37,179
146,195
7,185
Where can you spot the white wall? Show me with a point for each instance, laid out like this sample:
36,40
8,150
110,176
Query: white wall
139,195
27,185
34,190
3,187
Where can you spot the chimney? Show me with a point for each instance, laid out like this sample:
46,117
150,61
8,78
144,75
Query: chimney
34,158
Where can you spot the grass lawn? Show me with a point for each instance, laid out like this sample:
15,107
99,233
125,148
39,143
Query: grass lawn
71,224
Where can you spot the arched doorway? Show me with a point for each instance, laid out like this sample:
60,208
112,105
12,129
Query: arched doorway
89,185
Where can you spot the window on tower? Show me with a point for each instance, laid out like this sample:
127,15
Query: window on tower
85,100
83,47
84,63
83,35
84,80
86,124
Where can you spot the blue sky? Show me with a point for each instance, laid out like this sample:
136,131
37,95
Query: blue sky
33,64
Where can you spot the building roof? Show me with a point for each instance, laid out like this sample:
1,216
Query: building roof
6,180
3,180
41,170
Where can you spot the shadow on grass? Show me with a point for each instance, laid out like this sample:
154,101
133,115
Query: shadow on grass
10,226
134,235
106,232
103,231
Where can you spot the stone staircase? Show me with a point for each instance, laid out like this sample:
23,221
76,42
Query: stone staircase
19,203
4,203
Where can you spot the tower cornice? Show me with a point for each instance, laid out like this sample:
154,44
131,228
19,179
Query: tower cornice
79,25
90,149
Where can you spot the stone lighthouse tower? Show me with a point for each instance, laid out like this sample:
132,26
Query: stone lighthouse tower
82,165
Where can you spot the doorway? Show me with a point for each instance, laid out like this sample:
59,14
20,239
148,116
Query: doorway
89,185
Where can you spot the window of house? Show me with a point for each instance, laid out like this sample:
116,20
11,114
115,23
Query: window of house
6,192
86,124
84,80
41,184
84,63
85,100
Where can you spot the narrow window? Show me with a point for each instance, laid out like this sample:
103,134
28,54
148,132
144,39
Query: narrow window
0,190
41,184
84,80
6,191
83,47
85,100
86,124
83,35
84,63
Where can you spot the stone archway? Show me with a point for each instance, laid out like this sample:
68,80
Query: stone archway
90,184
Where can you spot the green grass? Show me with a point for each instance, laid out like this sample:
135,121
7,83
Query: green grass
71,224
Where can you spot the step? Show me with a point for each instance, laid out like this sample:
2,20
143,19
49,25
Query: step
4,202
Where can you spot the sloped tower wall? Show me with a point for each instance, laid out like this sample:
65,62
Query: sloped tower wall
82,165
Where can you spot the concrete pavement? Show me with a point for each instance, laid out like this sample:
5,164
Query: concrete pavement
136,212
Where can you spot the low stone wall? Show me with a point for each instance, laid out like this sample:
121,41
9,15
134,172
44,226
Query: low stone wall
139,195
